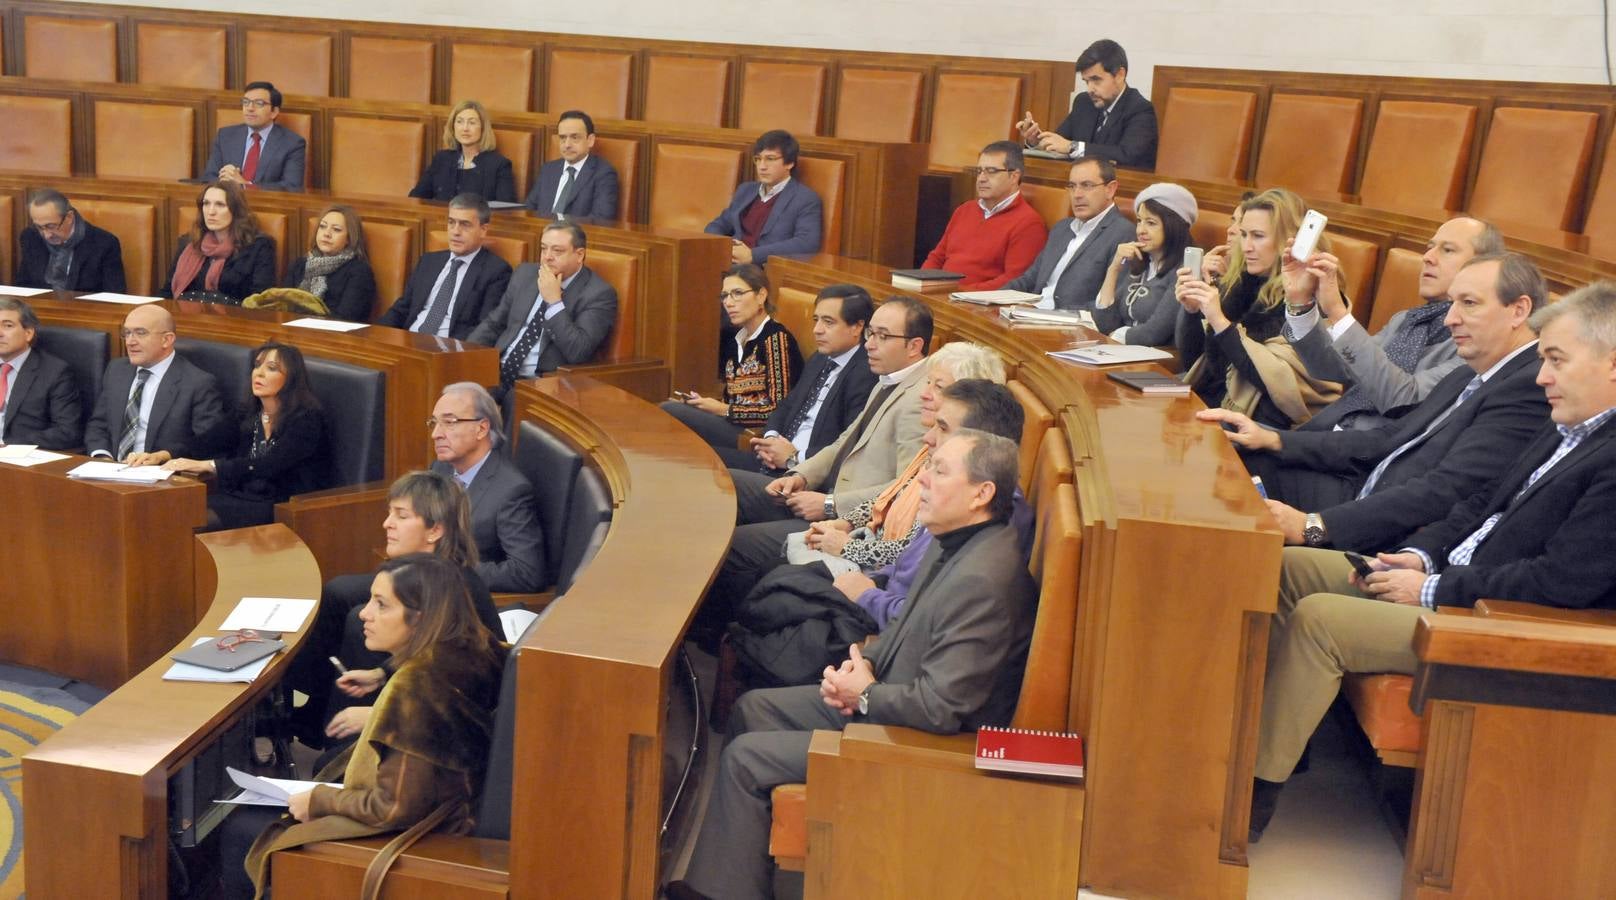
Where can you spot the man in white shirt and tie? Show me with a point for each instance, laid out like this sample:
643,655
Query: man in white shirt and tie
580,185
452,290
257,153
153,400
1070,269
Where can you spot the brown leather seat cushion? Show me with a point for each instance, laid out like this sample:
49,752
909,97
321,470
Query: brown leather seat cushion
1534,167
597,82
624,155
621,271
1359,259
513,250
1601,224
393,69
1310,143
1381,705
692,184
375,156
690,90
794,309
71,49
1399,288
500,76
1418,153
144,140
295,62
970,112
516,144
38,134
1211,228
1206,133
828,178
878,104
1052,203
1035,423
782,95
189,56
135,224
302,125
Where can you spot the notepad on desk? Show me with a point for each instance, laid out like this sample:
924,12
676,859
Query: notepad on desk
995,298
268,614
244,675
16,291
1051,754
1151,383
259,791
101,470
31,457
1111,355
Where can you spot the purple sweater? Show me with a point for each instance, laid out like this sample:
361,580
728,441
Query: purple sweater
884,604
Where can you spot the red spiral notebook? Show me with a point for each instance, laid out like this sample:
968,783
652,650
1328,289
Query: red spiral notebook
1047,753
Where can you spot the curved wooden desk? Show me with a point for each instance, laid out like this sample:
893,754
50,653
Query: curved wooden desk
97,823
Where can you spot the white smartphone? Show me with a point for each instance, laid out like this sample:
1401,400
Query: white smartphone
1192,261
1307,237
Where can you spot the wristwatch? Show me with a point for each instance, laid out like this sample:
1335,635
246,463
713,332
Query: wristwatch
1313,533
864,700
830,507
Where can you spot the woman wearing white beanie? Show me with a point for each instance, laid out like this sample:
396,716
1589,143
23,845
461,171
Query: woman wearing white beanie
1136,304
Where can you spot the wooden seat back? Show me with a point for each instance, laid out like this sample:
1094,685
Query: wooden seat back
1399,288
73,49
1052,203
1035,424
691,90
191,56
513,250
1310,143
595,81
395,70
1046,684
794,309
302,125
879,104
1534,167
38,134
1418,154
135,225
376,156
1206,133
970,112
296,62
144,140
391,250
1600,226
692,184
828,178
500,76
1053,467
789,95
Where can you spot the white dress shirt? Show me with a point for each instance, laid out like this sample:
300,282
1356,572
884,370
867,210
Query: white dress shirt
460,279
1080,233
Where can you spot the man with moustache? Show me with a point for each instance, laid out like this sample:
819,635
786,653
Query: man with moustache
1108,120
995,237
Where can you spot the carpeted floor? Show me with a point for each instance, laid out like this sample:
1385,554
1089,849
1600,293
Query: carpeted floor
32,707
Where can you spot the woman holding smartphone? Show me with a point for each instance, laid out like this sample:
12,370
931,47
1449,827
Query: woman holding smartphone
1136,304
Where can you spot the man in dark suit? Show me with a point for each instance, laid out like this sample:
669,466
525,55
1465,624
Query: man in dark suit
256,153
153,400
1071,268
567,328
467,434
835,382
774,214
451,291
1541,534
590,182
1109,119
65,253
952,661
1376,487
39,403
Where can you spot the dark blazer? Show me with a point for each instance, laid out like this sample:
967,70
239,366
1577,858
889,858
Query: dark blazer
505,525
1469,449
248,270
97,261
350,291
480,289
490,179
1129,135
183,417
588,312
1552,545
44,408
841,407
298,461
795,225
594,193
280,161
1080,283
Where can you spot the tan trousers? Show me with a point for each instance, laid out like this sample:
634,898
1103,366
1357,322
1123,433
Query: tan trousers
1324,627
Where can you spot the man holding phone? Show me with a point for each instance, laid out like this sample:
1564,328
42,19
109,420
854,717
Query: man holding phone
1108,120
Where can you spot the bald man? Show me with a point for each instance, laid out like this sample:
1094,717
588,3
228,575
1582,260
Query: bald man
152,400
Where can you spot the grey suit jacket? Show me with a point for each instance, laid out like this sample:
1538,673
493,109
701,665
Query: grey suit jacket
573,335
1356,358
186,409
955,656
280,162
1080,282
505,525
880,453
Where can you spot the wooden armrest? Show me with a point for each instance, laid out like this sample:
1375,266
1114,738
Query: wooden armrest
1537,612
643,377
892,744
1550,648
339,526
530,602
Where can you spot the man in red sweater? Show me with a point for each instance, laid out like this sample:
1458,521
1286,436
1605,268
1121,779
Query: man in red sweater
994,239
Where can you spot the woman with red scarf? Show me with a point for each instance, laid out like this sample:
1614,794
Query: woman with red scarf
225,258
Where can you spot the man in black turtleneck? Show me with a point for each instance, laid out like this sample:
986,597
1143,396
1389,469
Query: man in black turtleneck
951,662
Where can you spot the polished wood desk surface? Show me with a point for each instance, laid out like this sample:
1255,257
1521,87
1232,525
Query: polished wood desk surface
97,826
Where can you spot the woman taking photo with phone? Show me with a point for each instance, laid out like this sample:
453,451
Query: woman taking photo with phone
1136,304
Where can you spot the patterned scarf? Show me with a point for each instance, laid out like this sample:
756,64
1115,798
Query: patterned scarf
1421,329
318,266
61,255
192,259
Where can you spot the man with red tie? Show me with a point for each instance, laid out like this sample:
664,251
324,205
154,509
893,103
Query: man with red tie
256,153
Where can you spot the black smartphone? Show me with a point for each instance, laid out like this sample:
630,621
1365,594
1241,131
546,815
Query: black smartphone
1360,565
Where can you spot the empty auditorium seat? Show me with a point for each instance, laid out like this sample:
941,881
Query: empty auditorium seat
301,124
353,399
144,140
1600,226
391,250
135,225
1206,133
296,62
1211,228
500,76
513,250
1418,154
624,155
828,178
1534,167
691,90
621,271
1399,287
38,134
516,144
782,95
1036,420
794,309
878,104
375,156
1359,260
392,69
596,81
189,56
71,49
1310,143
968,113
691,184
1052,203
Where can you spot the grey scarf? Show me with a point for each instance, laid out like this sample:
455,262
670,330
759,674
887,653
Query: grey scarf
319,266
60,265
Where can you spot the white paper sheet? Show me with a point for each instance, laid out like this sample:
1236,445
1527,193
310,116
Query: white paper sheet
100,470
268,614
15,291
259,791
326,324
31,458
110,297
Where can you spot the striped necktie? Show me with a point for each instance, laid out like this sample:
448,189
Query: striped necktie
131,415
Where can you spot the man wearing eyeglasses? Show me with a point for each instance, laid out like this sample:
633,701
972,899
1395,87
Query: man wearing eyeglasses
774,214
467,433
992,239
256,153
65,253
1071,268
153,400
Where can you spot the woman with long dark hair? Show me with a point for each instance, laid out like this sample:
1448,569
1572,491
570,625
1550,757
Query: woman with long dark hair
225,257
1136,305
336,268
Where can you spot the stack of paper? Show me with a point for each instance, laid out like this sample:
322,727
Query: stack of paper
97,470
15,291
995,298
1048,318
244,675
256,791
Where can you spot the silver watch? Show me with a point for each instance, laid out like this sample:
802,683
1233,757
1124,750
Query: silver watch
1313,533
830,507
864,702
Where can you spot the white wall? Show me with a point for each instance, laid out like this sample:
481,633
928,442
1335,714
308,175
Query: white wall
1536,40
